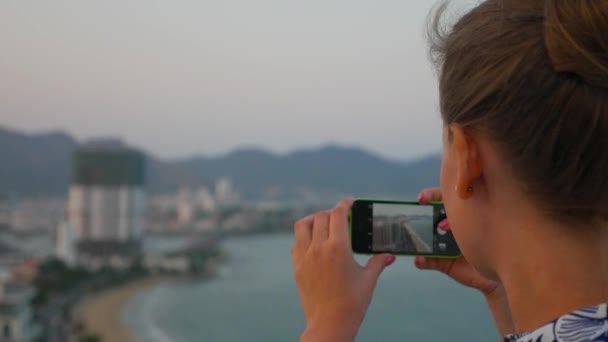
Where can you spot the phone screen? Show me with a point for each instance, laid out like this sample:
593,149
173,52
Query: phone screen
400,228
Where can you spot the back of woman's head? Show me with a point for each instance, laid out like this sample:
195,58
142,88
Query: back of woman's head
532,75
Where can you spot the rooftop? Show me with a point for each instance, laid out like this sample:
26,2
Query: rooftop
108,144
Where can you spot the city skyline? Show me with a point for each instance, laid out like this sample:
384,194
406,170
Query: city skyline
209,77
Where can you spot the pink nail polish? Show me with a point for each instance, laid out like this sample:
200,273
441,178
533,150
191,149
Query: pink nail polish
420,197
390,260
443,224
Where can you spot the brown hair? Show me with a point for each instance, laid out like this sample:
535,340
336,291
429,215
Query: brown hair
533,76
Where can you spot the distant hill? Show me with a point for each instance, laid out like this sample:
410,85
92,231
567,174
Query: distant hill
328,170
33,165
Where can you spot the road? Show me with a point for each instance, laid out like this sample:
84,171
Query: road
397,234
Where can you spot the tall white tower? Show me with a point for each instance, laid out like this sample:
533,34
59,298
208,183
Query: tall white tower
106,197
65,244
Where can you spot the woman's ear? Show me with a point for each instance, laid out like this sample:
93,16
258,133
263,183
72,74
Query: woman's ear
468,162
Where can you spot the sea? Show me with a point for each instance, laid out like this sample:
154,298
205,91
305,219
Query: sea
254,298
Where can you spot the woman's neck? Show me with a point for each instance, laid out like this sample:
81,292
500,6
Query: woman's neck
549,270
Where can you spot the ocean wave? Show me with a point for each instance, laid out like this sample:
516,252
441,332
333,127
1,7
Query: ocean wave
140,315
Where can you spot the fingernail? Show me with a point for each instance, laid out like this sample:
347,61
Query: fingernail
419,261
443,224
420,197
390,260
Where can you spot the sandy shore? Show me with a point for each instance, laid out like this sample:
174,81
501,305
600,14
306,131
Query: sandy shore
102,313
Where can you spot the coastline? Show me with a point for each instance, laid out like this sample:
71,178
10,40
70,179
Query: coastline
102,314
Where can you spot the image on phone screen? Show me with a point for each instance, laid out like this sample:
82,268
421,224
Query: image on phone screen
402,228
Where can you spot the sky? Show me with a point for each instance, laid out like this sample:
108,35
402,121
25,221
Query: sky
200,77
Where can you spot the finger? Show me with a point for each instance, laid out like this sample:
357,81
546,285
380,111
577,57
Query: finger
338,221
296,253
320,229
429,195
444,225
441,265
303,231
378,263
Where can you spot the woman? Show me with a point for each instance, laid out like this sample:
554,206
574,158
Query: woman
524,178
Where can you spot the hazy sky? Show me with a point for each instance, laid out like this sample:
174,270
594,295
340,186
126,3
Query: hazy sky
186,77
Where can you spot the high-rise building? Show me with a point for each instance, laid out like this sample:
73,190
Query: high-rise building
65,244
106,197
225,193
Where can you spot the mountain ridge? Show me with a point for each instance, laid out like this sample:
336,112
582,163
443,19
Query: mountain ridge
39,165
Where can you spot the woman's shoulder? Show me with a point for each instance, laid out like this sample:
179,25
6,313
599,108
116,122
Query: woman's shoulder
584,325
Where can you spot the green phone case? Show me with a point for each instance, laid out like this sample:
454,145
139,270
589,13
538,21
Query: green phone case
350,227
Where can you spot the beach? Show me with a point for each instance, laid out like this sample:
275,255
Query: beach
254,298
102,313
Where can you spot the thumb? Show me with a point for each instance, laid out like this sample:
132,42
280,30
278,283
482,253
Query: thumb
378,263
441,265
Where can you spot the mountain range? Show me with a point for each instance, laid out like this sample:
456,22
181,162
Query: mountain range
39,165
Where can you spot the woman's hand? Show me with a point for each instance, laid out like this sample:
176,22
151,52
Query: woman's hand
334,289
460,270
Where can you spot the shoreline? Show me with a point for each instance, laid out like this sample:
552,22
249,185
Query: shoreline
102,313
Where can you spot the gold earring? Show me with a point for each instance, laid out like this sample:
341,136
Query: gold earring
469,189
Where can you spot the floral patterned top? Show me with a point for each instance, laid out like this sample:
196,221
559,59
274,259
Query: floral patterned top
585,325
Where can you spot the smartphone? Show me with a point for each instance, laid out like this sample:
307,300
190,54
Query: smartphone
403,228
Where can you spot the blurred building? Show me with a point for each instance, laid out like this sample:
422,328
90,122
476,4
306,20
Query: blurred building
106,197
205,200
185,207
105,207
65,243
382,234
16,314
10,258
225,193
36,215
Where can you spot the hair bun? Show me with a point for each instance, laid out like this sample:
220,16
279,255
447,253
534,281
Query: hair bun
576,37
